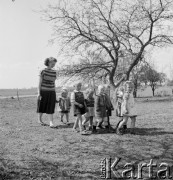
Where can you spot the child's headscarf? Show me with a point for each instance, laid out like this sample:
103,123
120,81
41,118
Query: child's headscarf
100,87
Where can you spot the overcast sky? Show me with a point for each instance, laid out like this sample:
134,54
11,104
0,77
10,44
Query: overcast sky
24,44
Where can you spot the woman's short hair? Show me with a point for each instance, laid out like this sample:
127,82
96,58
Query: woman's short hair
47,60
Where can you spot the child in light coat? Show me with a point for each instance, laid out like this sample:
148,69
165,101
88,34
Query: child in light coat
128,108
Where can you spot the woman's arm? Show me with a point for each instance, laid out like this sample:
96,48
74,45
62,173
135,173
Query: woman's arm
39,85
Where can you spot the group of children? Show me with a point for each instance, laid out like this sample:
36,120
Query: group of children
97,109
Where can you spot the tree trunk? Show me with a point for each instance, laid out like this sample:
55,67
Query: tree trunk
135,93
135,88
153,89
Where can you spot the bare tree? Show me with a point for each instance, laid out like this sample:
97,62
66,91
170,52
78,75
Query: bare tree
109,38
138,75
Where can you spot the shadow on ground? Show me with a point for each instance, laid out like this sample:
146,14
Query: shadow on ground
151,131
41,169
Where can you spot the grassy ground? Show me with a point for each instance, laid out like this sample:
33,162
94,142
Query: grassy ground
31,151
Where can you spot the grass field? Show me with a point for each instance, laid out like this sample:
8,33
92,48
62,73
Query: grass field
30,151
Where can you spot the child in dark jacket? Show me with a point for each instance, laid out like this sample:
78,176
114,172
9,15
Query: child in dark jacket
109,106
79,107
101,108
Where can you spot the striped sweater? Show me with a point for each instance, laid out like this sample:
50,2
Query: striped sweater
48,79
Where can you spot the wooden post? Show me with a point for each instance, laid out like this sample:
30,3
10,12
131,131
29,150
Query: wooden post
18,94
18,97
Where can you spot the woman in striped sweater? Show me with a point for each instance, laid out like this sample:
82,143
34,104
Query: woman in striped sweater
46,91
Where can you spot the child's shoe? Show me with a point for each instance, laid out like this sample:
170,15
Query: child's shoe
75,130
94,130
84,127
106,127
68,123
53,126
84,132
100,126
125,127
119,132
90,128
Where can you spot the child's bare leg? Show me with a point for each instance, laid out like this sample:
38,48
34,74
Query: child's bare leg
99,122
62,115
120,119
40,117
80,122
90,122
94,130
105,121
133,121
76,123
86,119
124,121
67,117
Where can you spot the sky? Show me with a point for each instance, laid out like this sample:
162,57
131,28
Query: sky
24,44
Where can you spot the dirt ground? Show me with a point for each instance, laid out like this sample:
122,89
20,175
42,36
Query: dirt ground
31,151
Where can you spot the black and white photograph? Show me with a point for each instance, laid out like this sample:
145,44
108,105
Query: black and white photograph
86,89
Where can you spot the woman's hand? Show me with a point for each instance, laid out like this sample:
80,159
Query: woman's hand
80,105
39,97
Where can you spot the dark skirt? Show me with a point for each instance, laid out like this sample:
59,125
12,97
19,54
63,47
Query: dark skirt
78,110
109,112
47,102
